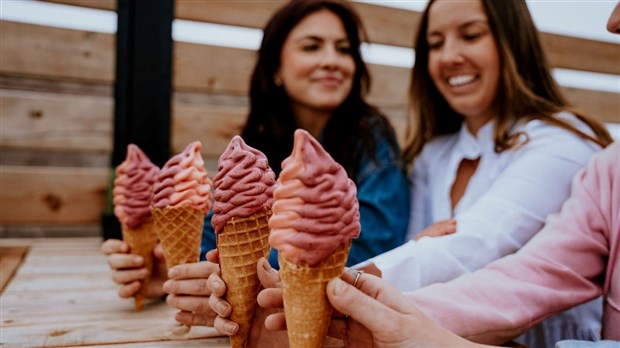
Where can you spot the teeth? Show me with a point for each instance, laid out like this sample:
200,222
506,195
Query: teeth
460,80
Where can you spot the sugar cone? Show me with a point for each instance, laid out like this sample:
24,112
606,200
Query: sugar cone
306,307
142,241
241,243
179,230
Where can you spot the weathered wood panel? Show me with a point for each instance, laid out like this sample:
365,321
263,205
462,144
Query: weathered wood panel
37,195
385,25
10,259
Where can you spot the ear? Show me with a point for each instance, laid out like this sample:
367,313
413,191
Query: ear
277,79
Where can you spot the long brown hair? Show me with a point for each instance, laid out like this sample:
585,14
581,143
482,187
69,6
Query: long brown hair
350,132
527,90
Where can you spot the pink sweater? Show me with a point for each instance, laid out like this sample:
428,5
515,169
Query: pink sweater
573,259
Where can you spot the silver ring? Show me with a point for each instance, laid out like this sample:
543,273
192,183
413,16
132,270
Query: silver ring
358,273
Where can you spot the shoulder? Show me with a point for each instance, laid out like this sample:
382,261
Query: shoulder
540,134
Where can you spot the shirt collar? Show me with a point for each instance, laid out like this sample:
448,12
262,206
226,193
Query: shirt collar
470,146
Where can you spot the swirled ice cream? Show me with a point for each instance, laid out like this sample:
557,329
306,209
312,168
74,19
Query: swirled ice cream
133,188
316,208
184,181
244,183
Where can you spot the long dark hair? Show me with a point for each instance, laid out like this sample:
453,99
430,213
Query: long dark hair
349,132
526,91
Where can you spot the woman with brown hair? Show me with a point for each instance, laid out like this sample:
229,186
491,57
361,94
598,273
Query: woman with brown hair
493,146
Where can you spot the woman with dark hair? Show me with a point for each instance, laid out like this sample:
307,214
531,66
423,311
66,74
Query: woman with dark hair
493,146
310,74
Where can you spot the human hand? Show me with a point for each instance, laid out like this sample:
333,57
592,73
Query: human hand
188,291
381,316
129,270
259,336
439,228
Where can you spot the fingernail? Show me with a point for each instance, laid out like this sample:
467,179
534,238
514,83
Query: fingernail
215,286
338,286
230,328
222,307
137,259
166,286
173,273
267,266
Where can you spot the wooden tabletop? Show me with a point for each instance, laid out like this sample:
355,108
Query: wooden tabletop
62,295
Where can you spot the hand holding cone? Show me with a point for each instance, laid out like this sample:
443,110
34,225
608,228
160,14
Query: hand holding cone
133,189
243,197
315,216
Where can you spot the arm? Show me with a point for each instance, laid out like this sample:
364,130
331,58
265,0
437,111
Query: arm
208,237
383,195
559,268
514,208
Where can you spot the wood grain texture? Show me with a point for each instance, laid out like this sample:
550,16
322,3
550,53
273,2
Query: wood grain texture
60,306
34,195
10,259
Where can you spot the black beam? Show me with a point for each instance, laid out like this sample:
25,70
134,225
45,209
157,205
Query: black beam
143,86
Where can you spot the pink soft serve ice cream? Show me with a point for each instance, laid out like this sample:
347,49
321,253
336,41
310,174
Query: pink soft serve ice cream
133,188
315,208
184,181
244,183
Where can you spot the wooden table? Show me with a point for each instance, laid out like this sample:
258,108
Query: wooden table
62,295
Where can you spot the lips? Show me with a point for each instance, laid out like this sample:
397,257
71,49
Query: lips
329,81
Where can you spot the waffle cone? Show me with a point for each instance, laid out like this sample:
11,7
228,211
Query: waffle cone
179,230
306,307
241,243
141,242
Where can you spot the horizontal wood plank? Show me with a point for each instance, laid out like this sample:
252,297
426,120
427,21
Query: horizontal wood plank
385,25
34,195
10,259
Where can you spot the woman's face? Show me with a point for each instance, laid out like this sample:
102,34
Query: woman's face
316,67
463,59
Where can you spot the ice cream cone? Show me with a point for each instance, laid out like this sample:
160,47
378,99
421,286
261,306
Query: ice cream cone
241,243
142,241
179,229
306,307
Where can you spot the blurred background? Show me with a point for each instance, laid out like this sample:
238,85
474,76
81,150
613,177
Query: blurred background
58,72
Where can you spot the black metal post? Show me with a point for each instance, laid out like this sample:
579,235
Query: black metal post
143,87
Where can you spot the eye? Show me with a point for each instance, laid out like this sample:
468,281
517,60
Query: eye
310,47
435,44
472,36
344,49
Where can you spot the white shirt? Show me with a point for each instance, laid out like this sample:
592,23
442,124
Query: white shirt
505,204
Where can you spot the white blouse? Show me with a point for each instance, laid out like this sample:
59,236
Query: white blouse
506,201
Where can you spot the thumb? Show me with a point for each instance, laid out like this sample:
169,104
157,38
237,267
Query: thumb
362,307
159,251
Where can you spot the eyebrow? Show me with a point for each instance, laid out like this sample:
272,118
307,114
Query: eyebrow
318,38
461,26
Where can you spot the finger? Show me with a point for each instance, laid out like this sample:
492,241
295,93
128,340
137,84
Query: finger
129,290
275,322
159,251
192,319
225,326
197,287
213,256
196,304
269,277
270,298
216,284
363,307
193,270
130,275
125,261
220,306
112,246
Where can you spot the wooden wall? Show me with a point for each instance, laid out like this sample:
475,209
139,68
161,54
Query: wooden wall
56,103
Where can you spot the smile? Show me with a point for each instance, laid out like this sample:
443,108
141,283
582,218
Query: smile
461,80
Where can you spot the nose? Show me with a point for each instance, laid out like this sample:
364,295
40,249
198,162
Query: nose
330,58
451,52
613,25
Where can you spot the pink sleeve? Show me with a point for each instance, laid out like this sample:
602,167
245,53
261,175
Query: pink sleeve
562,266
